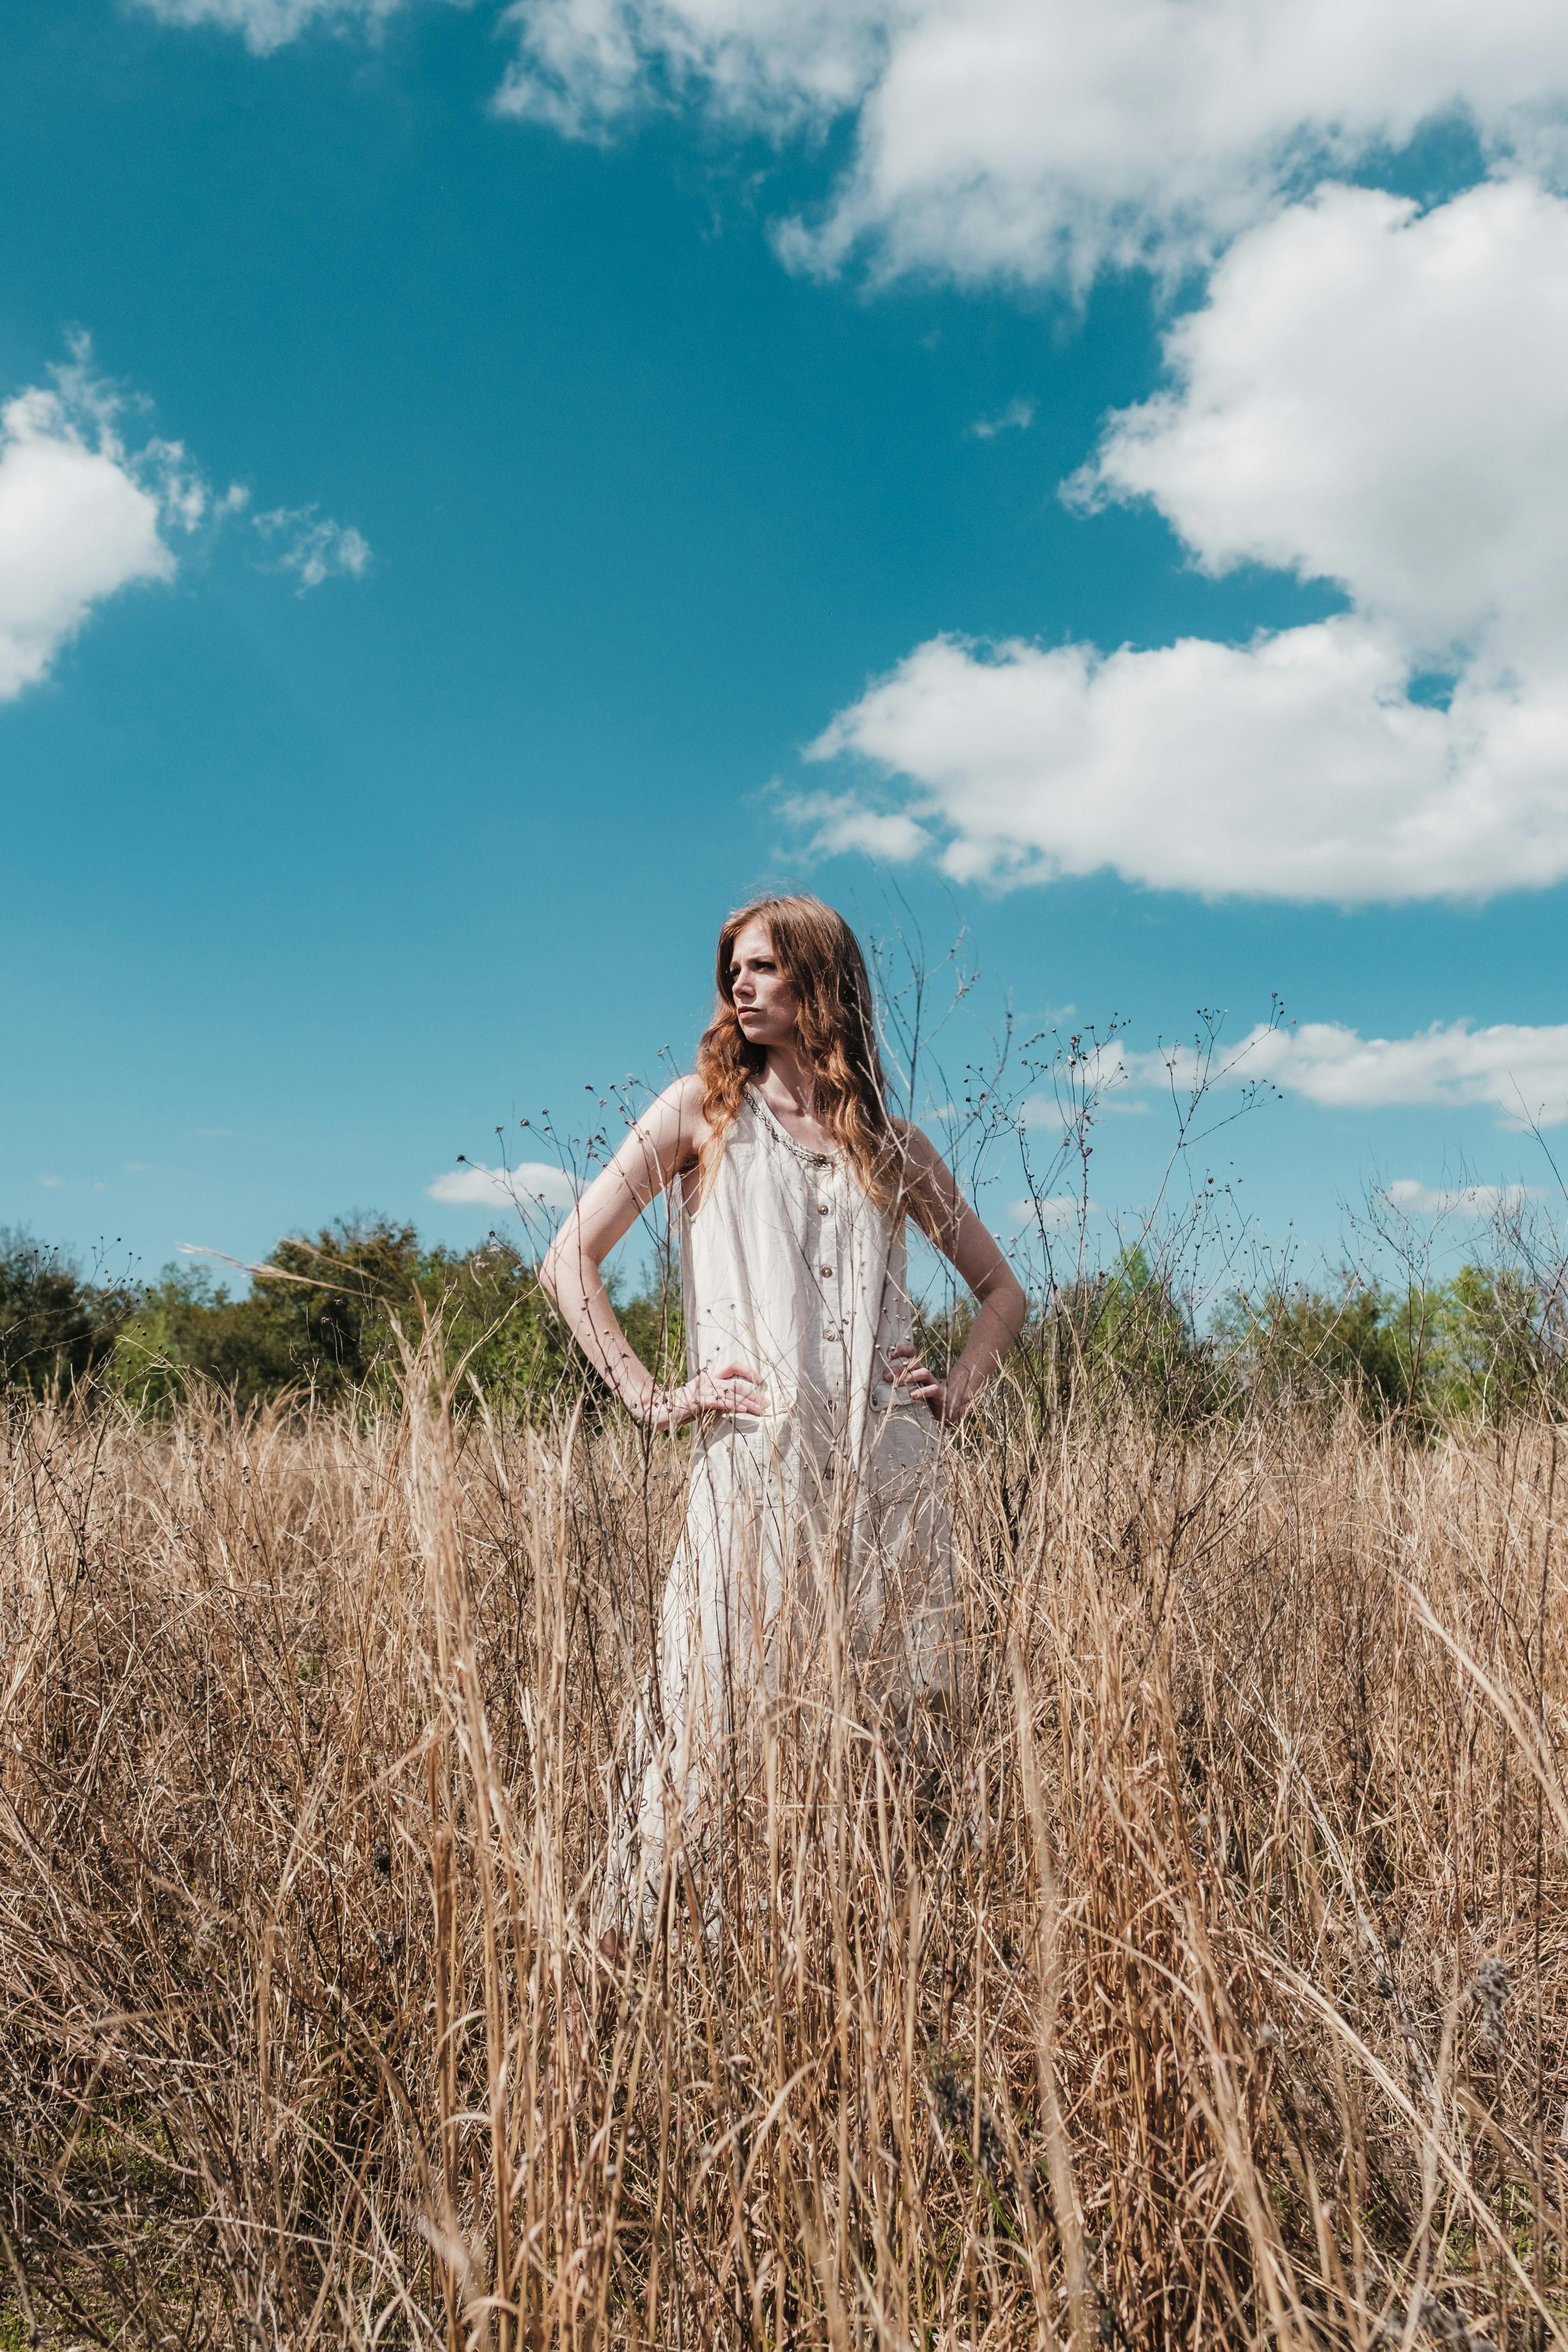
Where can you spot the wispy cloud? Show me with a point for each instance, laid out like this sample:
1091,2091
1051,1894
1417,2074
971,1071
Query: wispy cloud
1513,1067
1417,1200
267,25
533,1183
1097,1086
834,827
313,547
1016,417
1518,1070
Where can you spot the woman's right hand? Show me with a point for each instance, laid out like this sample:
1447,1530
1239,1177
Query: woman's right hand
733,1389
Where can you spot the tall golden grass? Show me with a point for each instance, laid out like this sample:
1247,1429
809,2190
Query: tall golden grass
1208,1988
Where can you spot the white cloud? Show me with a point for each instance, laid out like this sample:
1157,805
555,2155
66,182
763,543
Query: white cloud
1296,767
1512,1067
778,64
86,509
1095,1090
1026,138
1016,417
838,825
1369,395
1378,397
1416,1200
533,1183
313,547
82,514
267,25
1518,1070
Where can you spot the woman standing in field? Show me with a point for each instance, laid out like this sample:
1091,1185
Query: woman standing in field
816,1523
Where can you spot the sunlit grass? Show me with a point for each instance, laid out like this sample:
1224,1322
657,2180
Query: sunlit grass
1150,2006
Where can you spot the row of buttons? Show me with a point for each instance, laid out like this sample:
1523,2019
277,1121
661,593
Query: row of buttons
822,1210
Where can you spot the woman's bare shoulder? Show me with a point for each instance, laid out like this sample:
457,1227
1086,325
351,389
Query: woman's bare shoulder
661,1143
929,1180
918,1146
675,1116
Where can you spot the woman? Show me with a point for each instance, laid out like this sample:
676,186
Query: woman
815,1526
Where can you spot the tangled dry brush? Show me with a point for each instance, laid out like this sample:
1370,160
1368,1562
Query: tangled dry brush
1208,1988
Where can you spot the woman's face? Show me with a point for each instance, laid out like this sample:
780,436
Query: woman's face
766,1005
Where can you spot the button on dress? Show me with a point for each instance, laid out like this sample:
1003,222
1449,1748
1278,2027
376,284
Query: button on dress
817,1540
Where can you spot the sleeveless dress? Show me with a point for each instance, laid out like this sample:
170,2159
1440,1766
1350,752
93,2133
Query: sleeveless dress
815,1562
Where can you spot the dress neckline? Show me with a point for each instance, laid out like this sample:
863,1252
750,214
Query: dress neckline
803,1151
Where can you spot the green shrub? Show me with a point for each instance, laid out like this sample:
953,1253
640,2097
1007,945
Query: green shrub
56,1327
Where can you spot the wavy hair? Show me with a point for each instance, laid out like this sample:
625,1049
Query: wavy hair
820,956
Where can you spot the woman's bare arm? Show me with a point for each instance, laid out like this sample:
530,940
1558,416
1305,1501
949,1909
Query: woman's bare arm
1001,1306
662,1144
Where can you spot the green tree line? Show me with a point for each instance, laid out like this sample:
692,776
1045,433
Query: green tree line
1490,1342
321,1321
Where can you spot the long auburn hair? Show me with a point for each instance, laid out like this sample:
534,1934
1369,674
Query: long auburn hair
820,957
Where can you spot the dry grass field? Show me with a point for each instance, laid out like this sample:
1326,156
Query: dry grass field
1209,1989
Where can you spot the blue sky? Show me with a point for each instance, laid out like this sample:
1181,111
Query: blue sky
552,474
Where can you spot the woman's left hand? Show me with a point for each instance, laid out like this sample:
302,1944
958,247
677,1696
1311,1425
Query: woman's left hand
920,1384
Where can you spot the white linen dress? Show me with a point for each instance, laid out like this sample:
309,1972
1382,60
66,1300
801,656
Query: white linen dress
815,1558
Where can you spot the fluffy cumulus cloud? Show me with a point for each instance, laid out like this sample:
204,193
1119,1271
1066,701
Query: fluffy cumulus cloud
1294,768
1024,138
1516,1070
1370,396
82,515
1378,397
533,1183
